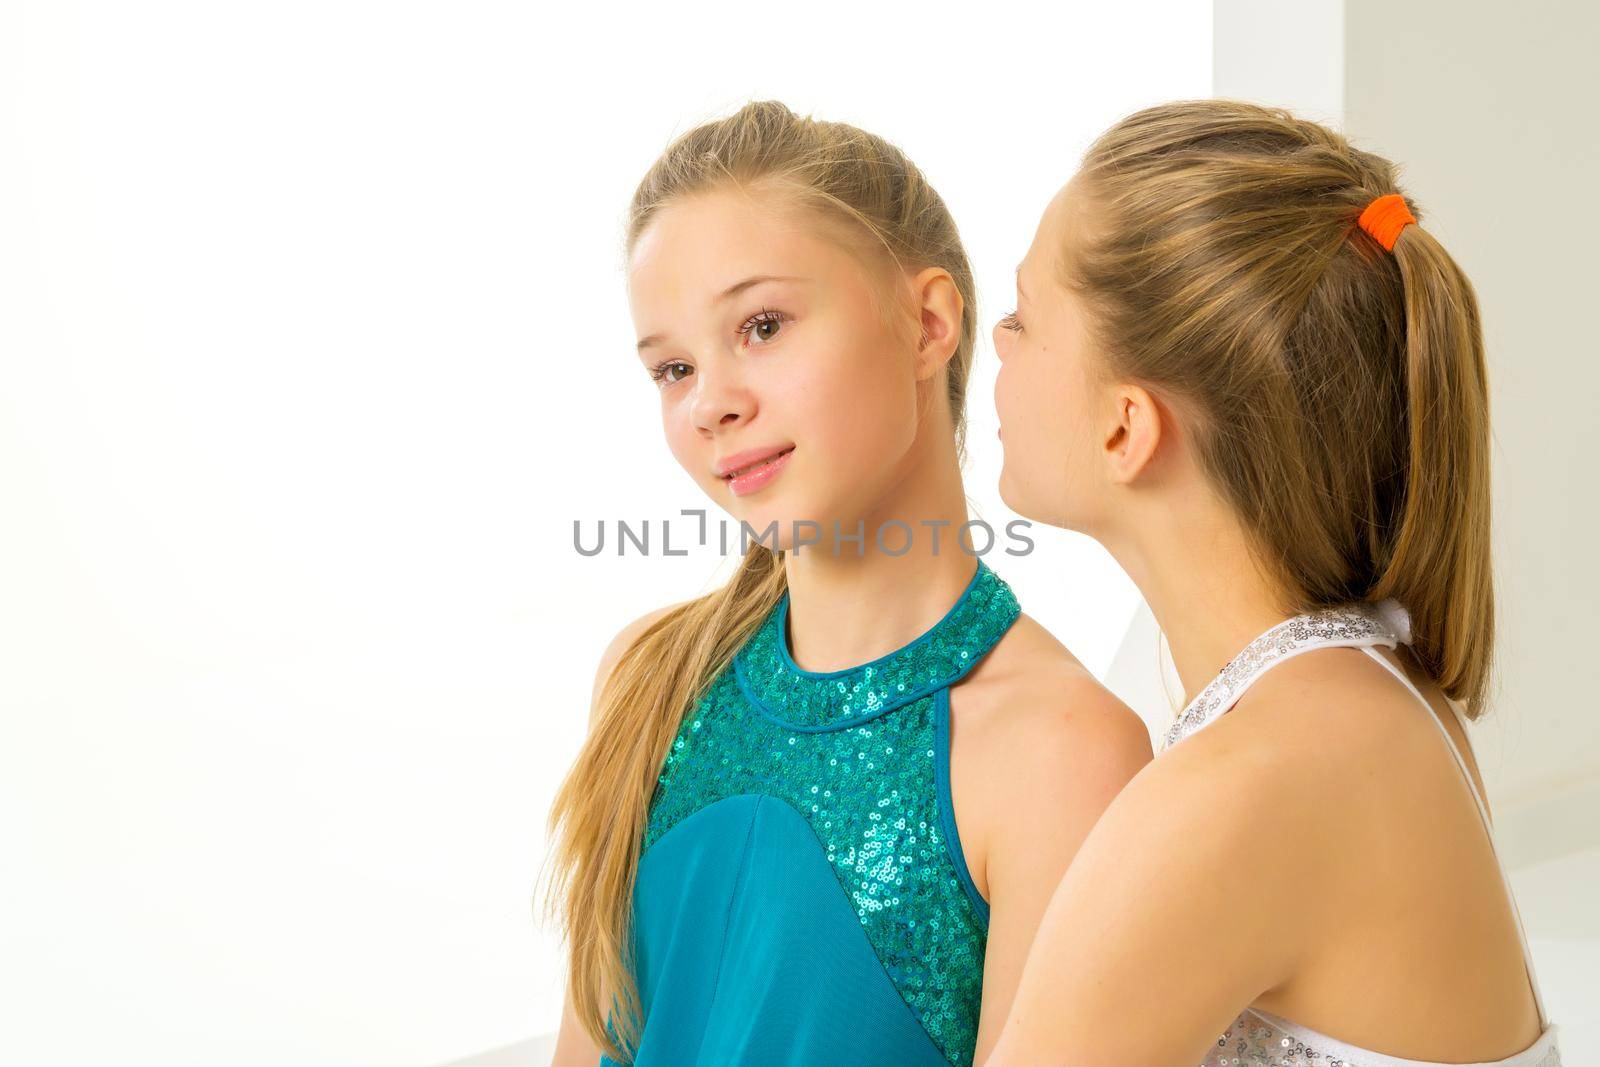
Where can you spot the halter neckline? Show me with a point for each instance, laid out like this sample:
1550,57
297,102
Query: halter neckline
1355,624
833,700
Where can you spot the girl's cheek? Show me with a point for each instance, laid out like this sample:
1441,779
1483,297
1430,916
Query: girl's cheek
681,441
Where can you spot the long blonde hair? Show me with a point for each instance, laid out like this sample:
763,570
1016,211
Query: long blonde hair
863,191
1338,392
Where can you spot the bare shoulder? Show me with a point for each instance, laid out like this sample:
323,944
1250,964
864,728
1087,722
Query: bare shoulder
1313,719
1327,757
1232,853
1320,751
1339,713
1031,698
619,644
1182,874
1032,730
1226,792
1338,719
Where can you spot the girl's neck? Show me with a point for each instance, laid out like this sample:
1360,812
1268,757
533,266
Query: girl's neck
1204,587
850,607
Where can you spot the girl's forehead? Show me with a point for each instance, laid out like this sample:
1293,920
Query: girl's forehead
726,235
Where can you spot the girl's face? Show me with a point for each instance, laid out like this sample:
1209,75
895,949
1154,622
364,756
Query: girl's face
764,341
1046,395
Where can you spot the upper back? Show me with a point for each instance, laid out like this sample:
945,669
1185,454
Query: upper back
1407,936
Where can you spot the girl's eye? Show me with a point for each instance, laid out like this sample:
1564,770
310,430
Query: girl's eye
764,318
1009,322
764,325
658,373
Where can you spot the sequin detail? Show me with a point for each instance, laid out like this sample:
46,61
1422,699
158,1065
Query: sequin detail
1352,624
870,790
1254,1041
809,699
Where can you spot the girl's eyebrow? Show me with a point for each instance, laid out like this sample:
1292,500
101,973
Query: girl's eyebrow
731,291
1020,290
756,279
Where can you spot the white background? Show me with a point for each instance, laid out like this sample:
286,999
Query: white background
313,344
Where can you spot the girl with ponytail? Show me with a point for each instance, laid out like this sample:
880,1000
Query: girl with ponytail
820,809
1242,363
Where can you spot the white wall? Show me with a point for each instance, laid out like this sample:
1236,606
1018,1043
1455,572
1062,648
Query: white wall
1289,55
1488,107
313,344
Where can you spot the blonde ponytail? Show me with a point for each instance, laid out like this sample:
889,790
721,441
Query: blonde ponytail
1439,563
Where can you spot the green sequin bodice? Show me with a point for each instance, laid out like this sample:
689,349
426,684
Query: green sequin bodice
863,755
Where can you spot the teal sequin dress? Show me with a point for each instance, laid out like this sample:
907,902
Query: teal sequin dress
801,896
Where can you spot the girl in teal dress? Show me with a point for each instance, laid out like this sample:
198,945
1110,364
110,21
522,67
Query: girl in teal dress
820,809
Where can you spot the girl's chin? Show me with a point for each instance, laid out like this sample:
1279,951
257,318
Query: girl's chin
782,526
758,514
764,518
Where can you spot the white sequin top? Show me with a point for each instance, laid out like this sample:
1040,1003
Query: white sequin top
1257,1038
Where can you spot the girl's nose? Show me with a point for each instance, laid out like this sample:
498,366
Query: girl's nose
720,400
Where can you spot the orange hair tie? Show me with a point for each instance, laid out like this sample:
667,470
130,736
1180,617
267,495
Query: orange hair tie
1385,217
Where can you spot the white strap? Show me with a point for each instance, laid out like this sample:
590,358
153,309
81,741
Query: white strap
1331,628
1483,813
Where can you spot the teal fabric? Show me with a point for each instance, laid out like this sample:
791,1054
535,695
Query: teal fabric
802,891
748,954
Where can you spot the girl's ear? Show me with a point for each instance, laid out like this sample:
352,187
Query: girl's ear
939,308
1133,433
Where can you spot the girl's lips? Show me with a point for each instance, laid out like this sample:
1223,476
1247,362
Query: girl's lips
750,480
